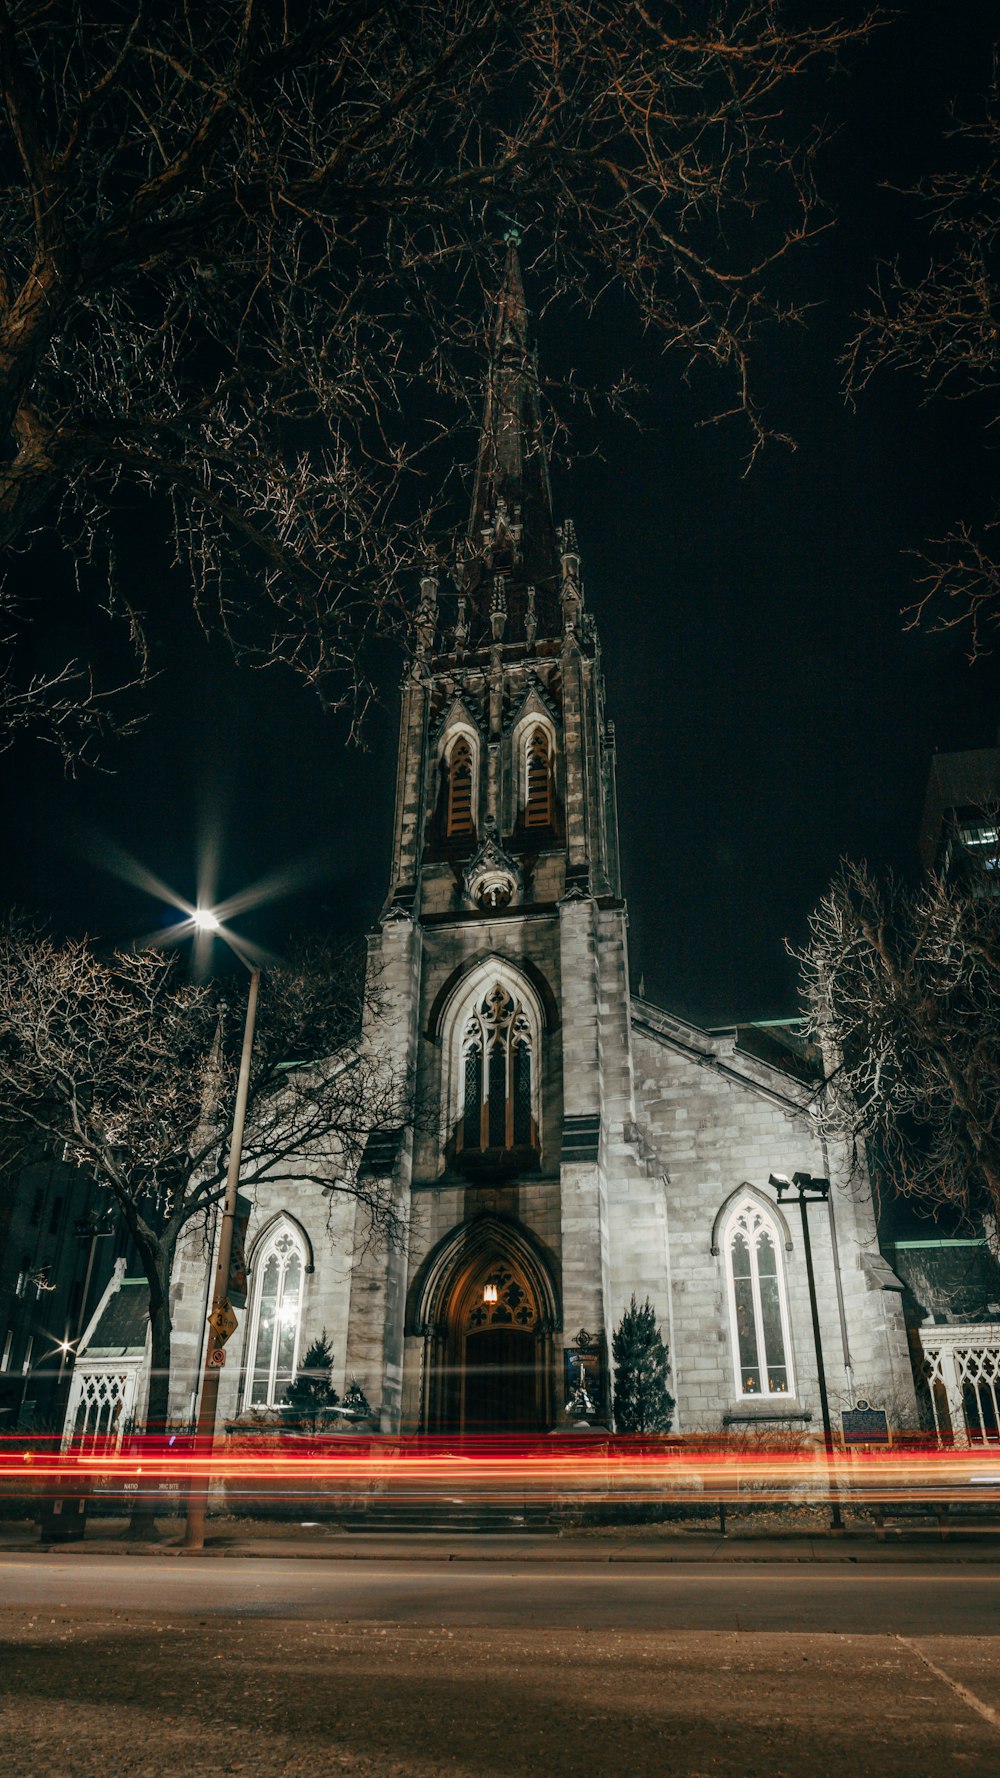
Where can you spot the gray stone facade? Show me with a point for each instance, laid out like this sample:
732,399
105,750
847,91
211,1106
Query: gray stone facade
573,1145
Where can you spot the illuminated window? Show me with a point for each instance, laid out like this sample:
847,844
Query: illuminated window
275,1316
757,1303
981,841
461,769
979,834
497,1074
538,779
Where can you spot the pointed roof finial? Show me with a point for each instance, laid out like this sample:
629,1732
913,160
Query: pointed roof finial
511,523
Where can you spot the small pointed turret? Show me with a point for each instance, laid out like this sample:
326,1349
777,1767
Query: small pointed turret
511,526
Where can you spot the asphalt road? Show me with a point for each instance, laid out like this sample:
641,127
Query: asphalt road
133,1668
784,1598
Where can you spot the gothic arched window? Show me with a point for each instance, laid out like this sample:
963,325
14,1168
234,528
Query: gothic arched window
538,778
275,1318
461,778
497,1075
757,1301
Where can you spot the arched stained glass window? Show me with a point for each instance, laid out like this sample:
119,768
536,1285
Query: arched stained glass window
497,1109
472,1116
538,779
497,1106
275,1319
521,1091
758,1306
461,765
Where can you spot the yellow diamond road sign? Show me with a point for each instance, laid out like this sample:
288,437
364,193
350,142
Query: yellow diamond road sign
223,1319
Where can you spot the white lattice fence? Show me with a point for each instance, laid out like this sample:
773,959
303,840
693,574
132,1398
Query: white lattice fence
101,1404
962,1375
979,1372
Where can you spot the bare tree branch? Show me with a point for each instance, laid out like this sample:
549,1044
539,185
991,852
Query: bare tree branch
244,250
941,324
130,1072
903,994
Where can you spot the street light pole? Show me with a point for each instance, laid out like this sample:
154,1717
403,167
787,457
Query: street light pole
194,1533
818,1194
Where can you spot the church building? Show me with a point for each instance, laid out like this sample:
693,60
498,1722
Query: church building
575,1144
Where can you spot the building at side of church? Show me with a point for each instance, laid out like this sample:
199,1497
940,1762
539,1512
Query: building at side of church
574,1145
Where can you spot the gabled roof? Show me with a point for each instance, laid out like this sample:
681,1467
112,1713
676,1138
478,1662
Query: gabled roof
769,1074
119,1324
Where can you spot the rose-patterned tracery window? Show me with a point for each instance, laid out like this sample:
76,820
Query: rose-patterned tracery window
497,1078
509,1304
275,1316
757,1302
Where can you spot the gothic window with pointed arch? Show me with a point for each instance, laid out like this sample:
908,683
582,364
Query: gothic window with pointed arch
461,771
538,777
497,1078
758,1303
275,1320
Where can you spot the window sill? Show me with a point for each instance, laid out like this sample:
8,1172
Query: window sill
495,1163
771,1410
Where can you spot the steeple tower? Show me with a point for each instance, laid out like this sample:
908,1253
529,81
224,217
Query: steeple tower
506,795
509,560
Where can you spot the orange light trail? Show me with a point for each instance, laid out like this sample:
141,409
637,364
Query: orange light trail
618,1472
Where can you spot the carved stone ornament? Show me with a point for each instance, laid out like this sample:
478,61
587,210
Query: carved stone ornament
493,878
531,619
576,891
393,913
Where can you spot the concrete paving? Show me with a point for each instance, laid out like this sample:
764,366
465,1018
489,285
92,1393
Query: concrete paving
743,1543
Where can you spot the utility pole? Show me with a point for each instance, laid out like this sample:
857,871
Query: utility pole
197,1502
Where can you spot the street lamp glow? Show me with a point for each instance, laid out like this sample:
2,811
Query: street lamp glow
206,921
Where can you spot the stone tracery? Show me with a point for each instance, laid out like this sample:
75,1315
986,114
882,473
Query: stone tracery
498,1045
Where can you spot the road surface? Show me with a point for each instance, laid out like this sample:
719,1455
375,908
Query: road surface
268,1669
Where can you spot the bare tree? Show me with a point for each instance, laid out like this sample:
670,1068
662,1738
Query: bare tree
129,1071
903,994
243,251
941,325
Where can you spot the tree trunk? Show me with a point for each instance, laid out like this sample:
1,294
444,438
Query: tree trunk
161,1328
157,1267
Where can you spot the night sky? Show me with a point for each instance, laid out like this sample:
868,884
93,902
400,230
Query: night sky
771,714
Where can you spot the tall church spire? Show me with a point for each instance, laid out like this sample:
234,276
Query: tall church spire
511,547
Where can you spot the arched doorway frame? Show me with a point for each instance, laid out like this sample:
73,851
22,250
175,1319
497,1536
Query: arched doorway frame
438,1291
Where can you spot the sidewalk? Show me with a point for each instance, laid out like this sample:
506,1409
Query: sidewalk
286,1542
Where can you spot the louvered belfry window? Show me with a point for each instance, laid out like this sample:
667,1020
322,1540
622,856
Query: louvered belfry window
460,788
538,780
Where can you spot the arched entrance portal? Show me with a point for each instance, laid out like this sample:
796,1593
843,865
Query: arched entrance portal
485,1305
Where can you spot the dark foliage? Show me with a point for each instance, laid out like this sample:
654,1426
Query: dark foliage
643,1402
311,1389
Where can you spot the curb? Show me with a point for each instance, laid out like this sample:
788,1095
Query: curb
715,1555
